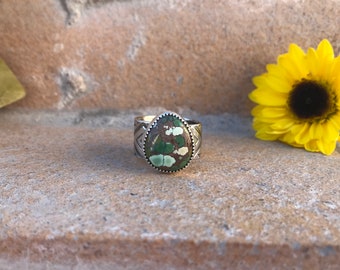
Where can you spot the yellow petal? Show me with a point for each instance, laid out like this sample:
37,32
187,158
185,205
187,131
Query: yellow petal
279,72
325,50
335,124
266,121
266,136
268,98
284,123
326,148
315,131
325,137
312,146
260,125
330,133
273,112
302,137
296,52
335,72
277,131
264,132
294,62
295,70
275,70
270,82
313,62
289,138
11,89
326,56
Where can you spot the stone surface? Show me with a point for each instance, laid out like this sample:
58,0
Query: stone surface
169,145
197,54
74,196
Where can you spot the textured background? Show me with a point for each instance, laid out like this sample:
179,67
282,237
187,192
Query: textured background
72,194
199,55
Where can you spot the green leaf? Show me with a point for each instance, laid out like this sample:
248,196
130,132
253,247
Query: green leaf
11,89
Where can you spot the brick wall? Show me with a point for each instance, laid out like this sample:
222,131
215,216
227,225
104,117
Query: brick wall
195,54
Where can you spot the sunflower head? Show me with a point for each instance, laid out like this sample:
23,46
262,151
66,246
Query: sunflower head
298,99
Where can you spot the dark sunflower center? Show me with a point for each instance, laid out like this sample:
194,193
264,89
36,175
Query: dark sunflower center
309,99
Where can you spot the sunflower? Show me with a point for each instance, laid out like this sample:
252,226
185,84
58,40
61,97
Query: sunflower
299,99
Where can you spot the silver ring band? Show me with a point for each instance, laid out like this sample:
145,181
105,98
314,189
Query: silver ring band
143,124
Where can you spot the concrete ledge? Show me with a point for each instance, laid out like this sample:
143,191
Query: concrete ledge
73,196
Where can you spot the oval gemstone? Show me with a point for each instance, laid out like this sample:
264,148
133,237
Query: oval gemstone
168,143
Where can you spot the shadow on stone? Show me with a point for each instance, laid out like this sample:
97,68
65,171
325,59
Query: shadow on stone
113,157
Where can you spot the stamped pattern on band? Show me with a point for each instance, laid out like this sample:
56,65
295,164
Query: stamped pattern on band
196,132
140,129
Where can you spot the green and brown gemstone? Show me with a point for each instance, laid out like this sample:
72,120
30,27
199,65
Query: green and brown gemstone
168,145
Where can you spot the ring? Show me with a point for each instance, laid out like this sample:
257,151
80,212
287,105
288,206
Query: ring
168,142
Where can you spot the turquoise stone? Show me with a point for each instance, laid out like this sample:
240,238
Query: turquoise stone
168,145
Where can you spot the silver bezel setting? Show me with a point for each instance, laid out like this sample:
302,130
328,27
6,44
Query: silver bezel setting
152,125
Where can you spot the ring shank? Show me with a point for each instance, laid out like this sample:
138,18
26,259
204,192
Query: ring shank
141,124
